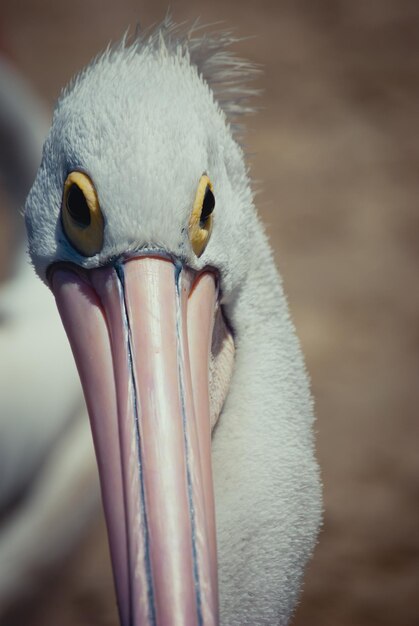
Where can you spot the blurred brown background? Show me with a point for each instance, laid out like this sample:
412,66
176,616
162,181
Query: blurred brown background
336,150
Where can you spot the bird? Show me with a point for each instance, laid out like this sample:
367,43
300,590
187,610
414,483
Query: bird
45,444
142,222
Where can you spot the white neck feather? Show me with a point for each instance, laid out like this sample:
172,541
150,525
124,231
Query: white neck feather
266,478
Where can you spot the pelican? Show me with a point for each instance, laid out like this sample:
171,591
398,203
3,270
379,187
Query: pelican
141,221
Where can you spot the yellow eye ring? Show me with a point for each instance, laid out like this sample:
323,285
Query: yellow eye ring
200,222
81,216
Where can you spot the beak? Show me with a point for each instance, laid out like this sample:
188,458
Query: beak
141,334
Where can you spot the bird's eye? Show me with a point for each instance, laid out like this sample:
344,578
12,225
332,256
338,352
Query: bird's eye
81,215
200,222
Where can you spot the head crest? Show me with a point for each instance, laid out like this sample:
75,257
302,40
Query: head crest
227,75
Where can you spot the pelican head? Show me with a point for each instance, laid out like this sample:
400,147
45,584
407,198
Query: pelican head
141,221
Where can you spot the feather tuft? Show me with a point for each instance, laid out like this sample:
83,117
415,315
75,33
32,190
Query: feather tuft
227,75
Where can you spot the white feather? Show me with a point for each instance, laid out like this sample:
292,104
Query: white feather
143,120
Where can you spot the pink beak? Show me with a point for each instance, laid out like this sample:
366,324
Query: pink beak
141,334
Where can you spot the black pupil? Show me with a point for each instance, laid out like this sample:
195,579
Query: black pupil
77,206
207,206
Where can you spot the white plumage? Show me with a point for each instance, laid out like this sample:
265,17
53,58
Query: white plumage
142,121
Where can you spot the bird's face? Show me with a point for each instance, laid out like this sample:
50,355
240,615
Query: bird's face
144,129
140,222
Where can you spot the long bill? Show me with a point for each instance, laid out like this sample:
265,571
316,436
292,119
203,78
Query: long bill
141,335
